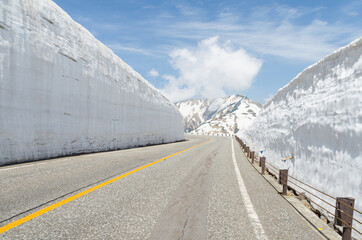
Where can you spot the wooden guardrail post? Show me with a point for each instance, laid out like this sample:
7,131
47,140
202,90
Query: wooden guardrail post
247,150
343,215
252,155
262,164
283,179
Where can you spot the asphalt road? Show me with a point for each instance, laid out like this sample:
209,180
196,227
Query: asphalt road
201,193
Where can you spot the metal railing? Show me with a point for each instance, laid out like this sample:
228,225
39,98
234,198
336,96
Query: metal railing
343,206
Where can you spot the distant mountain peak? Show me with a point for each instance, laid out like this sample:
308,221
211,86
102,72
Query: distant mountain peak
218,115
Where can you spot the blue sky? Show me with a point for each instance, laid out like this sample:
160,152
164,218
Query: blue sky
214,48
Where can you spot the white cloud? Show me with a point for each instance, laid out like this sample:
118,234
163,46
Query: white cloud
285,39
153,72
352,9
269,30
120,47
210,70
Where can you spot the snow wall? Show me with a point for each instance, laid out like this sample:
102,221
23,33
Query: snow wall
317,118
63,92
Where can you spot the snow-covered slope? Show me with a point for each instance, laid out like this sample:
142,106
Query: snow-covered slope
220,115
317,118
64,92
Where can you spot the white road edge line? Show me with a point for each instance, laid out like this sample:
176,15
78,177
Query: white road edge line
253,216
28,165
56,160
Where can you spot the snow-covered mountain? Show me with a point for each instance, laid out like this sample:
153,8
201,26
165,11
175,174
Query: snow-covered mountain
64,92
317,118
220,115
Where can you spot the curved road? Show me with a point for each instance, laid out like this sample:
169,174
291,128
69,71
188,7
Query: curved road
204,189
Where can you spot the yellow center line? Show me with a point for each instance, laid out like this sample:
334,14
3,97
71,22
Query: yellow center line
58,204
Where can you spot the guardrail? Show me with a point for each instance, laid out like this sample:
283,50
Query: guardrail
343,207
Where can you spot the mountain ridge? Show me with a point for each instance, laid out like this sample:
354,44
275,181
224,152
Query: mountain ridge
225,115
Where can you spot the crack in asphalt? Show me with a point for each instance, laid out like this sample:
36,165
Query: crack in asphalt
186,221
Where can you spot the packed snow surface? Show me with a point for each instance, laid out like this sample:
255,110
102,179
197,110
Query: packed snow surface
63,92
317,118
225,115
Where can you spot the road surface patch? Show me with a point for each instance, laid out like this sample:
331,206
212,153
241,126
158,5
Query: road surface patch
67,200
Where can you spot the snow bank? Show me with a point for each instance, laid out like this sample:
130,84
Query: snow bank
317,118
63,92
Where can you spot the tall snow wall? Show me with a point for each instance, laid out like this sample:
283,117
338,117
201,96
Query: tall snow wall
317,118
63,92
